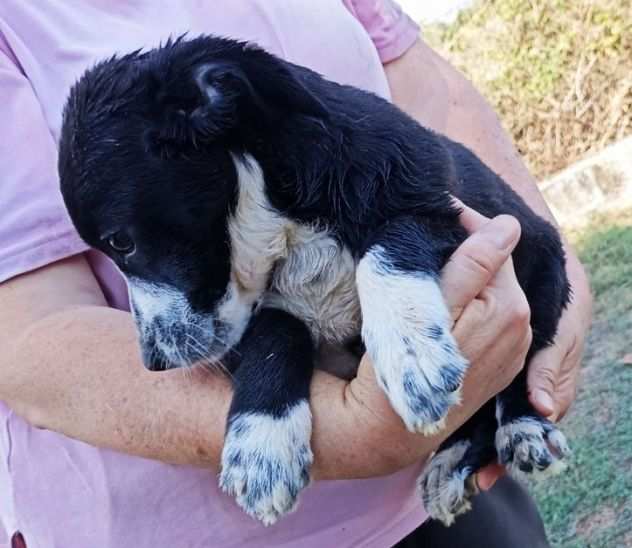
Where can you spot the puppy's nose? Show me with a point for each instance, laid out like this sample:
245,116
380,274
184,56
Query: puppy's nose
152,359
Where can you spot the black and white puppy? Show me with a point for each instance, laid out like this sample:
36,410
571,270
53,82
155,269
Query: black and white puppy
259,212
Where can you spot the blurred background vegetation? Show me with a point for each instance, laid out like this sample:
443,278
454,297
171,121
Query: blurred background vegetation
559,74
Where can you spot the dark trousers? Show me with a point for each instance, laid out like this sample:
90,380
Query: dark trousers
503,517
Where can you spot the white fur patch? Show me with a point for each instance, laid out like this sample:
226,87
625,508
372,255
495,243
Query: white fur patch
266,461
258,234
316,282
445,490
156,301
312,274
235,310
406,329
531,446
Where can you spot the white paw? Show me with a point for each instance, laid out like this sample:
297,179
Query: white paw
266,461
406,329
531,445
445,488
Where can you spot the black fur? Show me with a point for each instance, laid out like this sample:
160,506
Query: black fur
146,148
274,364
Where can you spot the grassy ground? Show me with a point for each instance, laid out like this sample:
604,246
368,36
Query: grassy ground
590,505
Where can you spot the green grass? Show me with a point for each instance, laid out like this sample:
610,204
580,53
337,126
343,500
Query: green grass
590,505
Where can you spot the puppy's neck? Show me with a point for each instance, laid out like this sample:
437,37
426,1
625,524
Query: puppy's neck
298,157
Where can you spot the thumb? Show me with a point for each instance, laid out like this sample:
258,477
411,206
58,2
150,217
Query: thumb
478,258
541,379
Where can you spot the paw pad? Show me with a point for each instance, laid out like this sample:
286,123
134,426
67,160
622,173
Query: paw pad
531,445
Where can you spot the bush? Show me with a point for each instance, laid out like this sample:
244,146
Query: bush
558,72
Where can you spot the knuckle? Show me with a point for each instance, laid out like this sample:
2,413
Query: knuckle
545,375
510,219
493,308
576,348
519,312
481,261
522,309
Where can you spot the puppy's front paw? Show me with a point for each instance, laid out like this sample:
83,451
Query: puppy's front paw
266,461
531,445
446,487
420,369
406,328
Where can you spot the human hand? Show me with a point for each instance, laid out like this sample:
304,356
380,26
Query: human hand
502,295
554,372
491,323
491,317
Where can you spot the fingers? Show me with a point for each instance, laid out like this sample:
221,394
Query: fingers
542,378
566,391
486,477
471,219
554,374
478,259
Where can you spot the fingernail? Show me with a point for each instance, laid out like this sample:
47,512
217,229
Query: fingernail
485,483
475,481
544,400
502,231
457,203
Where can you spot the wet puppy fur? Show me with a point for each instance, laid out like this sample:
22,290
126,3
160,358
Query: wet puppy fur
259,213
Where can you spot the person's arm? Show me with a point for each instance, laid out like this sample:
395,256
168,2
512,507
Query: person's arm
427,87
71,364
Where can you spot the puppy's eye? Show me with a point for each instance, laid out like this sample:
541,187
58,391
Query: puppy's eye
121,243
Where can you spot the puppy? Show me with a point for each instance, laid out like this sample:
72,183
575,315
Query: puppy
260,212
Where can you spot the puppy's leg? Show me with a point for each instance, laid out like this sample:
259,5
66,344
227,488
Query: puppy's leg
447,483
525,441
406,324
267,455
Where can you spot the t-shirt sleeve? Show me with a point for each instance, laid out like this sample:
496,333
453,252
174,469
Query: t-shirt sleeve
390,28
34,227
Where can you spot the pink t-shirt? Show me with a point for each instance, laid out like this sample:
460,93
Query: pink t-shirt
62,493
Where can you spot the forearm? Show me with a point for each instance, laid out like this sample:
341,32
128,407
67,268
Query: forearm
79,372
343,446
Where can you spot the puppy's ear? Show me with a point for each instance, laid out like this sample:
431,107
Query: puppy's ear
268,88
229,95
185,113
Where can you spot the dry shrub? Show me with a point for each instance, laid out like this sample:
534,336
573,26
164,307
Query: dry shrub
558,72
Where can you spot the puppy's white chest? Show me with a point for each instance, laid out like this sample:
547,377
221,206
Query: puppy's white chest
302,269
315,281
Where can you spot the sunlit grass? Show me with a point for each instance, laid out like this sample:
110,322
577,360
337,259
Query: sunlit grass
590,505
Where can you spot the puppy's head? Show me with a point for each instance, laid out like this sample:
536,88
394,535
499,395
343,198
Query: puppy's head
148,174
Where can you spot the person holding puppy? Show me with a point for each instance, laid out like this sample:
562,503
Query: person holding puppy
133,455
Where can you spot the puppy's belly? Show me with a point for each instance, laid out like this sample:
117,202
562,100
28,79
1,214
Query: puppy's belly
316,283
337,360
